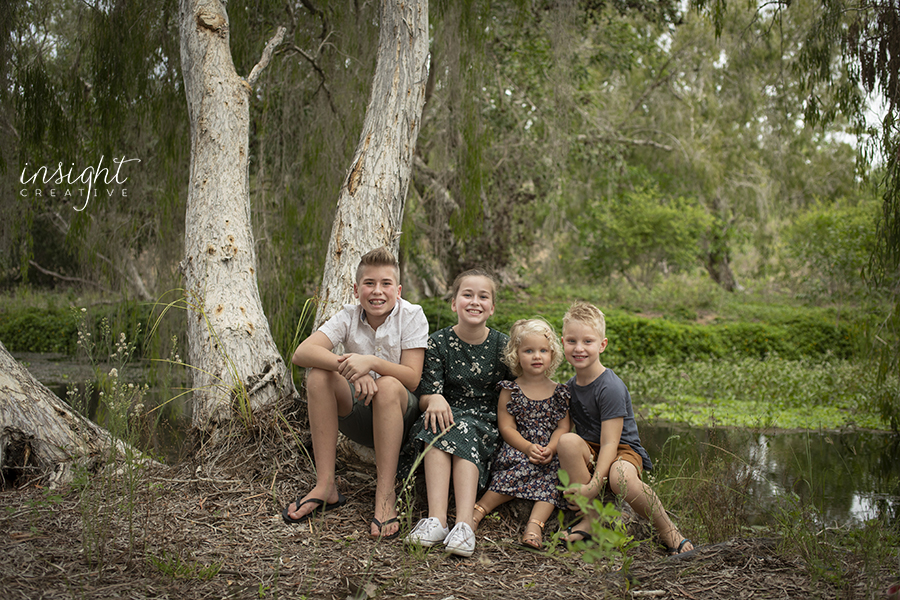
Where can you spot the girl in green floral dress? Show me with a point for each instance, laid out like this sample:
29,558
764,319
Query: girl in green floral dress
458,427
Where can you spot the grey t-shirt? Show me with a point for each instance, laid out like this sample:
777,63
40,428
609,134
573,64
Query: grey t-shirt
605,398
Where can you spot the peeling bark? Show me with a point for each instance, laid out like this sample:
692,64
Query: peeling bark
236,365
372,199
39,432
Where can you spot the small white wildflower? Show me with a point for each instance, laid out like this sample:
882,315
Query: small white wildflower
130,386
83,310
114,373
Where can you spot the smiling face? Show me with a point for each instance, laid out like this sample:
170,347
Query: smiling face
582,345
474,300
534,355
377,292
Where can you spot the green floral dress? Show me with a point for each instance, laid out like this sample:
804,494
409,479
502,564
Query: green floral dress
467,376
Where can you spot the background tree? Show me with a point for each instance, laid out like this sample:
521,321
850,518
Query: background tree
236,367
847,64
370,208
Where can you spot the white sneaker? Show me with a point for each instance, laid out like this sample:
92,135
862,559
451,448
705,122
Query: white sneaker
461,540
427,532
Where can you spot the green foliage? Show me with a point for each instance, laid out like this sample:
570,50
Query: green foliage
55,329
791,333
788,394
642,234
829,247
39,330
174,565
610,536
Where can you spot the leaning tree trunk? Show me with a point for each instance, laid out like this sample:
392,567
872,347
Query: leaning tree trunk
39,433
370,207
235,364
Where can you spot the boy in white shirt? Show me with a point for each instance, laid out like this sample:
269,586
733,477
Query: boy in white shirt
366,393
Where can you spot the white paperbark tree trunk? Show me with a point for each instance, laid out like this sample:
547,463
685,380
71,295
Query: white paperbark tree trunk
370,207
236,367
38,431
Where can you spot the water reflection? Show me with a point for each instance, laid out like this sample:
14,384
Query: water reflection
849,477
162,428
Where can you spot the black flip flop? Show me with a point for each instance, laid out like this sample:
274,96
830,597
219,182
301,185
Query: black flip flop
676,551
380,525
322,507
585,537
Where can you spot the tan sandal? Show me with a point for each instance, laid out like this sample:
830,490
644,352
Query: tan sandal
483,512
533,540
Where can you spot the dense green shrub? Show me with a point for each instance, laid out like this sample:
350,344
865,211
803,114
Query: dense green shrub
792,334
39,330
642,233
56,329
830,246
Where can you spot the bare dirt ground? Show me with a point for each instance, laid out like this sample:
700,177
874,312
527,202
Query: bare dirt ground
200,531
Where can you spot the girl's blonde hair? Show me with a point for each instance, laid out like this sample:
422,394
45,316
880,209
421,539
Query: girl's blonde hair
526,327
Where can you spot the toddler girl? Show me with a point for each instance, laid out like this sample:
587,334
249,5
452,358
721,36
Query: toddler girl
458,427
532,414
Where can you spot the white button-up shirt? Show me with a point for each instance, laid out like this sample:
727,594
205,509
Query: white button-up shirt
405,328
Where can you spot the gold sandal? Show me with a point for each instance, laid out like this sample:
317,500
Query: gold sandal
531,539
483,512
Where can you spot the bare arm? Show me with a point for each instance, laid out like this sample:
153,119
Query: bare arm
437,411
408,371
316,351
610,435
563,426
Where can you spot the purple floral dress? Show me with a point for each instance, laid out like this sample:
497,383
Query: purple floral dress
512,473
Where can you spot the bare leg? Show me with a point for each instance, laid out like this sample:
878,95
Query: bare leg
465,489
328,396
388,407
624,481
534,529
437,483
575,457
488,502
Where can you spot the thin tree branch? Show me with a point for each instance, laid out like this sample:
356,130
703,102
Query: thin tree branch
65,278
319,71
319,13
266,56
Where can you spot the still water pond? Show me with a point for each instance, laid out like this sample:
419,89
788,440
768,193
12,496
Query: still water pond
850,477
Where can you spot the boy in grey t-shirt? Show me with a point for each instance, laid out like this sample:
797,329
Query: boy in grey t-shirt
606,449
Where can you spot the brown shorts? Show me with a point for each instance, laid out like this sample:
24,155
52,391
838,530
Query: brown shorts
624,452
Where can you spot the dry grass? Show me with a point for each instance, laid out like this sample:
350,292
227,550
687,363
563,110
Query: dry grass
211,528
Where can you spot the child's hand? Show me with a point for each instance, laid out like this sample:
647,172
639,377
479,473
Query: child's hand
586,490
438,415
353,366
365,388
538,454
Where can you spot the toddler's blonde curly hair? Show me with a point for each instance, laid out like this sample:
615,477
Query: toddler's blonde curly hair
526,327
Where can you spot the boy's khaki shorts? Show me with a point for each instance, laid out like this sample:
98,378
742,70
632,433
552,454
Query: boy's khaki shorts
624,451
358,424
